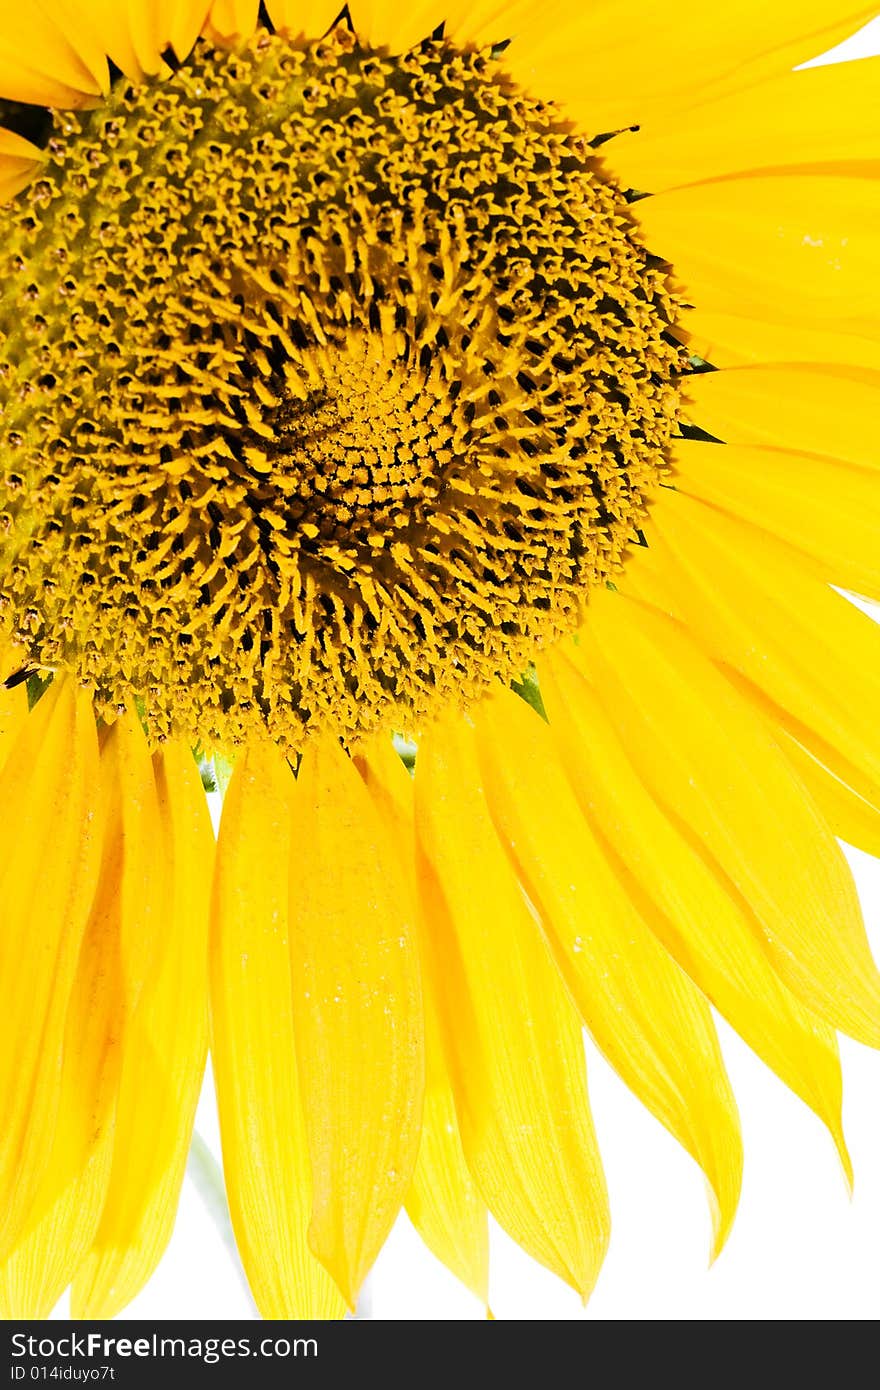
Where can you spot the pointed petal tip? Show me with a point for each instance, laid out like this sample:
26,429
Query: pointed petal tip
723,1192
335,1260
722,1225
584,1279
846,1163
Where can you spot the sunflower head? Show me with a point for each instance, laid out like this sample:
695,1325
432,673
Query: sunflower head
362,381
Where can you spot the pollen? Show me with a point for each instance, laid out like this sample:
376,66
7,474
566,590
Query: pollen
331,383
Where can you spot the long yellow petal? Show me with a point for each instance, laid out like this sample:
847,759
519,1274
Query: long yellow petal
41,59
811,408
816,117
510,1031
45,1259
651,1022
107,22
48,875
754,605
117,951
709,761
827,510
136,879
843,784
850,816
699,921
265,1152
357,1013
728,338
443,1202
133,33
164,1048
67,1206
802,246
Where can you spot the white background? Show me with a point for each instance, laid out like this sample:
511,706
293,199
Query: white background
800,1247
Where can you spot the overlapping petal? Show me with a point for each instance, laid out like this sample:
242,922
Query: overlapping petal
793,406
521,1098
738,336
443,1202
48,876
825,119
18,161
707,928
357,1012
753,604
164,1042
652,1023
710,762
265,1153
49,54
825,510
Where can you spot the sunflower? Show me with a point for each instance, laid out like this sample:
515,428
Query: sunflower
457,420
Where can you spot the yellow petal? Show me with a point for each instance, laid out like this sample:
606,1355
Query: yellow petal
11,663
753,604
510,1032
89,31
443,1202
827,510
651,1022
45,1259
616,65
699,921
709,761
265,1153
814,409
380,22
48,874
803,246
42,60
307,18
134,33
19,160
117,951
230,19
134,882
357,1013
849,815
67,1206
164,1047
731,339
13,713
111,19
815,117
156,25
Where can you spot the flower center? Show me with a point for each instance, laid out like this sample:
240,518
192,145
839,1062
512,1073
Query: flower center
331,383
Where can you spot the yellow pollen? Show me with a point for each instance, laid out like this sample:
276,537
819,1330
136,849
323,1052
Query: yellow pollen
330,384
